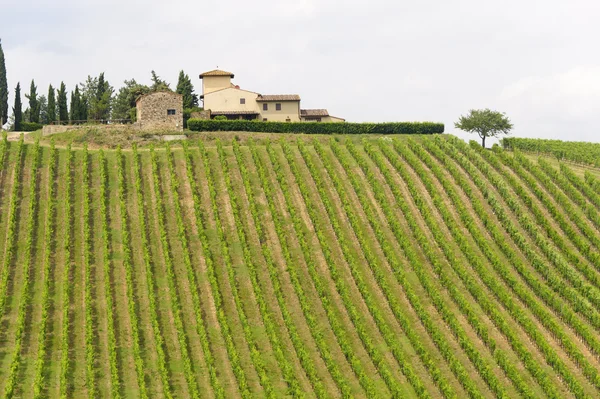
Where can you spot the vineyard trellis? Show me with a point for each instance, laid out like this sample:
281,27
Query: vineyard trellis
308,267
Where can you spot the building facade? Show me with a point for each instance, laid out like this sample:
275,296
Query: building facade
160,111
222,97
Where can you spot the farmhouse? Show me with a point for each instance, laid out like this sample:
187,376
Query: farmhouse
221,97
160,111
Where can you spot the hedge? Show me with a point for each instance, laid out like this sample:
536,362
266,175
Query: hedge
30,126
203,125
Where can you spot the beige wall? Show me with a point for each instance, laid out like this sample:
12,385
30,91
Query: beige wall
229,100
214,83
332,119
289,109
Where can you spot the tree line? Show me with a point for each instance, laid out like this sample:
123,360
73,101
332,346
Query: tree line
93,100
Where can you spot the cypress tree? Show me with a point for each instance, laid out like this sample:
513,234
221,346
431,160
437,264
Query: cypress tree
51,104
34,105
186,89
3,89
18,109
83,108
75,105
63,112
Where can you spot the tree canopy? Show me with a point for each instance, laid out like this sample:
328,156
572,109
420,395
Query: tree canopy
484,122
51,104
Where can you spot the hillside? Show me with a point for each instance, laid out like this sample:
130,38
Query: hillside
405,267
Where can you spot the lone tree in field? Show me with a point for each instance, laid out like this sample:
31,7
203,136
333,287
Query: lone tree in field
484,122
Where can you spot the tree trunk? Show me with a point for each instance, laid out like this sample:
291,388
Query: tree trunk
483,141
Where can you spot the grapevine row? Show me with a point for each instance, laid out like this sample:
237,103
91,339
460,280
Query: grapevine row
65,366
188,367
342,289
201,224
592,181
455,292
459,268
581,185
254,351
200,321
307,310
379,274
572,197
540,289
274,339
551,357
150,280
127,265
90,351
303,356
556,282
9,249
49,244
484,369
9,388
591,293
514,309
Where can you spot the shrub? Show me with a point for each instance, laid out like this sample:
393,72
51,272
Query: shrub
220,118
30,126
201,125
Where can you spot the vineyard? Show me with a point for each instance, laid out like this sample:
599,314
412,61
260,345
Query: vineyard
314,267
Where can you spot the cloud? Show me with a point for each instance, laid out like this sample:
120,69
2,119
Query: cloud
563,105
364,61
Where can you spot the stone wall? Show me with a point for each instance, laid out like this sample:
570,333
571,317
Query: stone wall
153,111
204,114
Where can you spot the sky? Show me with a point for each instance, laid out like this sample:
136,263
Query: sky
376,60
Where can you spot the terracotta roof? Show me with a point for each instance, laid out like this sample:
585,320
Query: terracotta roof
233,112
313,112
216,72
278,97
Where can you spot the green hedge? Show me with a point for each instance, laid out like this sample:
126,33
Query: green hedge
30,126
202,125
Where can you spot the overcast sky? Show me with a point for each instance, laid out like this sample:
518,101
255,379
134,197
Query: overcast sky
376,60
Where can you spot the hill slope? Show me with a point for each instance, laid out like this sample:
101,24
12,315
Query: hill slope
408,268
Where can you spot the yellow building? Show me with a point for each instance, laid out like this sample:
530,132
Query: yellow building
222,97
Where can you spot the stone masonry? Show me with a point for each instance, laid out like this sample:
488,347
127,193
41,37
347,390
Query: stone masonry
160,111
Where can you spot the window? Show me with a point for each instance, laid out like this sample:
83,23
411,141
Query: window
265,107
277,107
288,119
170,112
264,119
242,101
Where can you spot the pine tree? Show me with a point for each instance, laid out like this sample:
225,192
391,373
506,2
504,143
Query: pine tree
18,109
51,105
158,84
3,89
34,105
185,88
63,112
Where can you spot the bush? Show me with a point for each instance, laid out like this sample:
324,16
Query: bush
220,118
201,125
30,126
